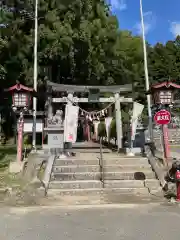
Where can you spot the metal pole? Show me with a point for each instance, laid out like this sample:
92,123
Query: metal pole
146,73
101,163
35,74
166,142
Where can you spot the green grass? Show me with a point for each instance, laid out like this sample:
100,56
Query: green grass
7,154
10,180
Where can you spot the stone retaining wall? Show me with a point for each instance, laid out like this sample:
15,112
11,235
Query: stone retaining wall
174,136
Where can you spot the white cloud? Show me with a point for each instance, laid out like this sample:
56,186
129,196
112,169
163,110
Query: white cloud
149,23
147,28
118,5
175,28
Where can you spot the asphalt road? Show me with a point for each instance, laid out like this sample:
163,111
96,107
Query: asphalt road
135,222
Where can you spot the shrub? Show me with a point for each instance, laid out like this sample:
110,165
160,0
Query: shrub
102,129
26,141
113,129
125,129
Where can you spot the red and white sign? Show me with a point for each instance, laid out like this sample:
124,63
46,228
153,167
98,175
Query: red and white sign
71,137
162,117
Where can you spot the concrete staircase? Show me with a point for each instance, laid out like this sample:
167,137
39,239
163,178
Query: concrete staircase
76,180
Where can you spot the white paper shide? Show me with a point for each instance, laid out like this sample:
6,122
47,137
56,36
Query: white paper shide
71,123
96,123
108,121
137,111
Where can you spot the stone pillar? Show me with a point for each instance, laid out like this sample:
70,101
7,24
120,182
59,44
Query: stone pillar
118,121
110,114
70,98
49,111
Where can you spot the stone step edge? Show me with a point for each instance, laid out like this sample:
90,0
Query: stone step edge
92,189
106,166
149,171
104,158
124,158
98,191
76,181
107,184
106,181
88,163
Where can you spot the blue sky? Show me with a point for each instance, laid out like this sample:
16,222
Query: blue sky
161,17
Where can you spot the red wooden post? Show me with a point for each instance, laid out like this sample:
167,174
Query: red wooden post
166,141
177,175
163,117
20,138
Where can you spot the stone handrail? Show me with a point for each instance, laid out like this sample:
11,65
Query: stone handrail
48,172
158,166
34,165
158,169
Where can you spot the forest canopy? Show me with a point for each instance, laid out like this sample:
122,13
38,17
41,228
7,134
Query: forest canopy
79,42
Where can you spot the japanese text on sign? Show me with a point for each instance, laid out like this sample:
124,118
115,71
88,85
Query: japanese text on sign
163,117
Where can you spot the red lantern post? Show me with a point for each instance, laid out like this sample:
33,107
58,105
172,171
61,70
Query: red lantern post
163,95
21,99
20,137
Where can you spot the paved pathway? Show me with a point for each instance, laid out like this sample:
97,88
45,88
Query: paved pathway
136,222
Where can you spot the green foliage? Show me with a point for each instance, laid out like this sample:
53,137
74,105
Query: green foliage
125,125
113,129
26,139
164,61
102,129
79,42
7,154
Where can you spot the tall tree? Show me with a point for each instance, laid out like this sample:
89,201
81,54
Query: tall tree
78,43
164,61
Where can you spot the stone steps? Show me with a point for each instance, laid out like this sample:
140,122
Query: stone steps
67,162
77,179
102,196
95,161
91,150
85,184
121,175
107,198
97,191
96,168
149,183
90,156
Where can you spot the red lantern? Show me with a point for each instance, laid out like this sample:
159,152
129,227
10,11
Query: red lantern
163,93
21,95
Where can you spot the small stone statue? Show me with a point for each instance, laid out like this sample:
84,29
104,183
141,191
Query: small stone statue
56,119
59,115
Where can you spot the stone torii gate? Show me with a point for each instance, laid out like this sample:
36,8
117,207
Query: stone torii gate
116,90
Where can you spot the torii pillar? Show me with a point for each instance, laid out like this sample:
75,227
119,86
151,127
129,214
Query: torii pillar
119,131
